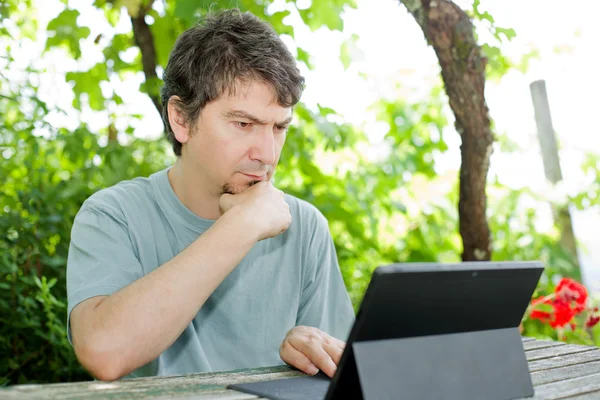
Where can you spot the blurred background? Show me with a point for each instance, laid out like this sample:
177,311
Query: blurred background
373,144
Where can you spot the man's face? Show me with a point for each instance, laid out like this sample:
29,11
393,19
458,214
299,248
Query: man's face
237,140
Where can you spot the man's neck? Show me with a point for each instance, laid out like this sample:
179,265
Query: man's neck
193,192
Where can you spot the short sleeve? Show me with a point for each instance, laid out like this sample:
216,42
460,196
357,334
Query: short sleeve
325,303
101,256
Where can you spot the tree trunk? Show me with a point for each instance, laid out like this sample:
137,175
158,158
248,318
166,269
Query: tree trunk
451,33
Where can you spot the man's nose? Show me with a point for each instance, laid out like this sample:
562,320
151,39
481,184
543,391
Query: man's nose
263,147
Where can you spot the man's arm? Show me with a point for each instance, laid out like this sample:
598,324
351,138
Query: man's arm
114,335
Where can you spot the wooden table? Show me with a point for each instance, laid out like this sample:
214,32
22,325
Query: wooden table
558,371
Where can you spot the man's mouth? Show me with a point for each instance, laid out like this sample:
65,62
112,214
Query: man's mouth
255,177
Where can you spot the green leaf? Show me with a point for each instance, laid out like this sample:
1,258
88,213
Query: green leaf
304,56
507,32
117,99
118,44
187,10
132,6
63,31
276,20
165,32
325,13
498,64
89,82
112,13
12,364
347,49
151,86
487,16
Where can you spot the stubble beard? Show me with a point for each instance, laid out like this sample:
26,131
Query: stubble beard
230,188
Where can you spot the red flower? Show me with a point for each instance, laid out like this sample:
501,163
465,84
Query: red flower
541,315
563,314
572,291
568,300
592,320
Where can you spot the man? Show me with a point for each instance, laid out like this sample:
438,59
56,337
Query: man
206,266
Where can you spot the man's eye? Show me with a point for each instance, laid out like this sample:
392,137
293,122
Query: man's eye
243,125
281,128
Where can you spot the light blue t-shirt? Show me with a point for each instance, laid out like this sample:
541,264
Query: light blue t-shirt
124,232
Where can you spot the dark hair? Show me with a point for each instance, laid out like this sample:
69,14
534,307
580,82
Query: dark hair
223,49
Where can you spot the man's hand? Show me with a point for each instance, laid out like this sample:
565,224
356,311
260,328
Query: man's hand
262,207
310,350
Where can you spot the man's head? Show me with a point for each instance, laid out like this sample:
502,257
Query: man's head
229,88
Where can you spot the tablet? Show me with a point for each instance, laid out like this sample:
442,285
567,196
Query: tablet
428,300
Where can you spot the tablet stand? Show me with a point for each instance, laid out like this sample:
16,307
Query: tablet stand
471,365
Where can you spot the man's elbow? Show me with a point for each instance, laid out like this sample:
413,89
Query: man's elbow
106,373
101,361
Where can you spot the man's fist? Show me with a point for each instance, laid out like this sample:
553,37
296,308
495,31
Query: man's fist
310,350
262,207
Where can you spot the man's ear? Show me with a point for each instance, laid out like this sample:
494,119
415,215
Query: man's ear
179,125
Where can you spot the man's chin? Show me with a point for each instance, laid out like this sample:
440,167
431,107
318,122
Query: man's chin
236,188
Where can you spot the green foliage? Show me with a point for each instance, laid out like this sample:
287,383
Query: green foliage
89,83
64,31
18,11
591,196
346,50
45,181
326,13
497,63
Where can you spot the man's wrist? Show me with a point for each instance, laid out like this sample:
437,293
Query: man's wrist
239,223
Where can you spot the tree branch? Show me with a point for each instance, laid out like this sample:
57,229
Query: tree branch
450,32
145,41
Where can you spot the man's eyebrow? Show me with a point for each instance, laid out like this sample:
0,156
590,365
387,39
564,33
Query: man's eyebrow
231,114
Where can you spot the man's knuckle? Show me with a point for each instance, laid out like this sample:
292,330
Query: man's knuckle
284,346
313,338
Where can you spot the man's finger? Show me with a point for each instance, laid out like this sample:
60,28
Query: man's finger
296,359
334,341
313,349
334,352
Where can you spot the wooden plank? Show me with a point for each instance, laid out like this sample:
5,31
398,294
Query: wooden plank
540,354
129,393
221,395
562,373
563,361
568,388
206,384
527,338
587,396
541,344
